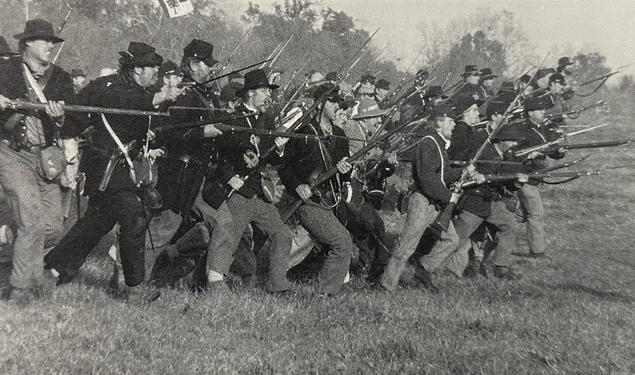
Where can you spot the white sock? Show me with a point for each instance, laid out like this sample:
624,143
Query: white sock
213,276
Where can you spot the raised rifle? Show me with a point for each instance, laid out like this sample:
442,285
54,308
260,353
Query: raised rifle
277,56
442,221
228,74
59,31
231,55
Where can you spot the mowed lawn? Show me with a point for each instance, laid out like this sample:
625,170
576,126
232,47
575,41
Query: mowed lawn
572,314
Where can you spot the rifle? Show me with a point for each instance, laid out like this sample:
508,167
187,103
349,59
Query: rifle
229,59
599,103
555,142
577,146
442,221
604,76
494,179
228,74
333,171
275,59
59,31
261,132
196,124
270,57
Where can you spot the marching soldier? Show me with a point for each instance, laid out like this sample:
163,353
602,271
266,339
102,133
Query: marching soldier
305,161
29,138
433,174
534,133
114,196
237,182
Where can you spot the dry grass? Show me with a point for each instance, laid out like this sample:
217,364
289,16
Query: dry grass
572,314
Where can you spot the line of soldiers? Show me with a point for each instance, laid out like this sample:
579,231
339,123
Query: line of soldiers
327,183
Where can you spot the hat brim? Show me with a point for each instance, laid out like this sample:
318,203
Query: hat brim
471,74
53,39
488,76
244,90
8,54
155,60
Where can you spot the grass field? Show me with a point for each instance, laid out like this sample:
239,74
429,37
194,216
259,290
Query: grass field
572,314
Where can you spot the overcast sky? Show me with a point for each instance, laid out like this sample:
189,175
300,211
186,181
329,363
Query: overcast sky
606,26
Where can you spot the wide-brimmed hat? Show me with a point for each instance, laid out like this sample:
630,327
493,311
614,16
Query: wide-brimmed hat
38,29
471,70
368,108
140,54
200,50
486,73
255,79
5,50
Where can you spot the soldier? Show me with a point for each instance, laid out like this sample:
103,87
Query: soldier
366,190
382,88
33,195
306,160
415,105
470,86
534,133
487,82
488,202
555,92
566,66
114,196
432,174
240,154
366,87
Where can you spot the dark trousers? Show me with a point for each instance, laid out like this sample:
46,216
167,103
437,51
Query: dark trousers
369,231
324,226
104,211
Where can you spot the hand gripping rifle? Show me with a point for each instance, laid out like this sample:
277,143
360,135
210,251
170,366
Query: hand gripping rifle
442,221
333,171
